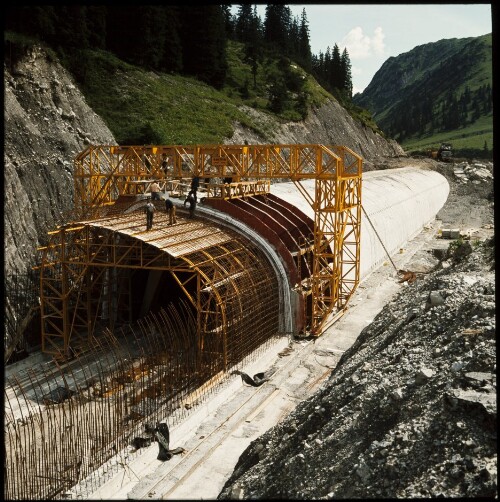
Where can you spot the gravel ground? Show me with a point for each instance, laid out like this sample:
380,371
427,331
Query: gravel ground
410,409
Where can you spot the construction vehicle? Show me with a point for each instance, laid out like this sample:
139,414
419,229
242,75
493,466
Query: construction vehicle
443,153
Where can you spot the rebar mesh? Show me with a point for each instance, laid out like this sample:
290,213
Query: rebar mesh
65,421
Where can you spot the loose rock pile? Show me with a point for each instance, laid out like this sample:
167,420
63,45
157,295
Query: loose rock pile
477,172
410,409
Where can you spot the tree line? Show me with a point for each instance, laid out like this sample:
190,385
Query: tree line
452,112
185,40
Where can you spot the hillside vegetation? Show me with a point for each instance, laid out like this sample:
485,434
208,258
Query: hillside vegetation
437,92
143,107
152,107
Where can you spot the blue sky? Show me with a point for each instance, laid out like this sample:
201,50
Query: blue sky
374,32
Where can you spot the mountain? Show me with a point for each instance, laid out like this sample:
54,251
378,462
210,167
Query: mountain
437,92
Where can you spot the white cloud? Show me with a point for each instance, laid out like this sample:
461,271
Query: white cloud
378,42
361,46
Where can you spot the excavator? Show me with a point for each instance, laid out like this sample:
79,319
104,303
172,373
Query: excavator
443,153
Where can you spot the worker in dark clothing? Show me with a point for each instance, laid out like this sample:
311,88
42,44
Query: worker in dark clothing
191,193
195,183
150,209
191,200
169,206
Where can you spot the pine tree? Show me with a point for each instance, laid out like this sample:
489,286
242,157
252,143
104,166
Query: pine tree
172,47
327,67
253,47
243,23
121,31
305,57
204,43
293,39
345,65
276,27
228,21
278,94
335,76
148,50
72,29
37,21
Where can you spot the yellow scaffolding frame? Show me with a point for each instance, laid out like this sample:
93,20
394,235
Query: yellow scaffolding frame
104,173
76,287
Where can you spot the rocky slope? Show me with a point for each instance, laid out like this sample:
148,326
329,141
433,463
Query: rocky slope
329,124
410,409
47,122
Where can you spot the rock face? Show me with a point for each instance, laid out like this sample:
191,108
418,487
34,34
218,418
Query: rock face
410,409
329,125
47,122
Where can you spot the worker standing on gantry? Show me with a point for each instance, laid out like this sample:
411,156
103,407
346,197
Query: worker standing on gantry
150,209
155,191
191,200
169,206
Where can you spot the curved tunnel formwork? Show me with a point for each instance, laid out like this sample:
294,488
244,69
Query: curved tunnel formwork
105,269
110,272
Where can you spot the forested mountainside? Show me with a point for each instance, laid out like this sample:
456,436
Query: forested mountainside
440,91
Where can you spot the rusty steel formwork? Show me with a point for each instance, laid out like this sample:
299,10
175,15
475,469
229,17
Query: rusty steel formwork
70,425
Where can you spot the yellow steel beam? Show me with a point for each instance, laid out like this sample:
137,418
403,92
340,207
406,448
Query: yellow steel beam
103,173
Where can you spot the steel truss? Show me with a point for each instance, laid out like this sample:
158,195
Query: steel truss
104,172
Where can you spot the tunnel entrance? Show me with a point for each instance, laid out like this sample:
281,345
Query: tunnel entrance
110,272
151,291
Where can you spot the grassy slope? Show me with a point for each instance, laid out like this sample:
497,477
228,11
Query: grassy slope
150,107
472,136
169,109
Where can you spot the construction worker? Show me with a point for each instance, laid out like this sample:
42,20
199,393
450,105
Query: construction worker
155,191
191,200
150,209
169,206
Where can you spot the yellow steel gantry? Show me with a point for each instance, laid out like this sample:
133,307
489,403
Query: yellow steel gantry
102,174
